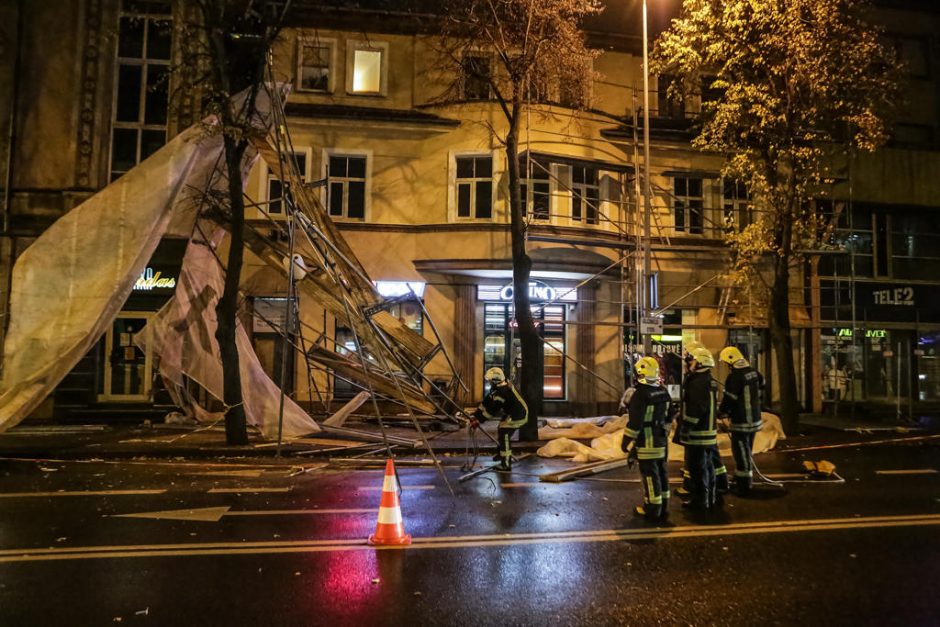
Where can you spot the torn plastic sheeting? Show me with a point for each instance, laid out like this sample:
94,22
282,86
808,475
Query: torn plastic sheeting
583,430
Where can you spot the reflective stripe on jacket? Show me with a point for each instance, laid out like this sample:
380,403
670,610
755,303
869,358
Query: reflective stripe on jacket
505,403
742,399
699,400
647,421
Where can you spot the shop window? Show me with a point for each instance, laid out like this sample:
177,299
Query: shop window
536,188
315,64
276,189
366,68
346,186
141,93
501,347
688,204
585,194
474,187
476,75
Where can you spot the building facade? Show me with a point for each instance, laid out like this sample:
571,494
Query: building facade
418,186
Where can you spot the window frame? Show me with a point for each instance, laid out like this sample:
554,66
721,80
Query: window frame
326,42
268,174
325,196
686,201
352,46
145,63
734,206
578,195
454,181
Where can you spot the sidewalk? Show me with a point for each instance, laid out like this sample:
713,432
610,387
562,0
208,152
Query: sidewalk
47,441
161,441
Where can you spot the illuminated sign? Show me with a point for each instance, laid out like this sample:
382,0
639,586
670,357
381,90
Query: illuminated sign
154,280
393,289
877,333
538,292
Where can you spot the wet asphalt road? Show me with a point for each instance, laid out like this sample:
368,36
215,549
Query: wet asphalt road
506,551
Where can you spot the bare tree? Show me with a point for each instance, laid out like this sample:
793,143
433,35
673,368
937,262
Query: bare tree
788,82
519,52
225,52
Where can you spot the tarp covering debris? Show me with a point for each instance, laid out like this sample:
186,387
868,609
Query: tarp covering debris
606,445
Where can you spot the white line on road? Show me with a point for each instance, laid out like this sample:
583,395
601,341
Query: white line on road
245,490
915,471
455,542
18,495
215,514
378,488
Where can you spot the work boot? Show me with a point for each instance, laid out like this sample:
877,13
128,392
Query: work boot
504,467
681,491
695,505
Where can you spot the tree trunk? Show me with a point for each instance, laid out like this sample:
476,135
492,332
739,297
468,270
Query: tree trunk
236,429
529,339
778,316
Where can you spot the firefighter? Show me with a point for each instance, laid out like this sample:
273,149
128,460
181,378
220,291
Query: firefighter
647,427
742,403
506,404
698,430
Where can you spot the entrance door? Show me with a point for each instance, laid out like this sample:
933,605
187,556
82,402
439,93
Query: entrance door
127,369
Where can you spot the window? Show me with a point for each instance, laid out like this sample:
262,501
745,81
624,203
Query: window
881,242
276,191
688,204
315,64
671,102
366,68
913,53
474,187
736,204
141,95
585,194
536,187
477,70
346,186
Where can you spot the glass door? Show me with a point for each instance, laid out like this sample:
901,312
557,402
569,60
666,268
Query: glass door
128,370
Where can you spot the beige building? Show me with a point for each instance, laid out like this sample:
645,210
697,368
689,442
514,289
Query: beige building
418,187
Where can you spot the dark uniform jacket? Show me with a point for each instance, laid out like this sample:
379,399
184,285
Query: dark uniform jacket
647,421
742,399
505,403
699,400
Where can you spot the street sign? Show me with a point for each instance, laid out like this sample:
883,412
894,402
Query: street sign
651,326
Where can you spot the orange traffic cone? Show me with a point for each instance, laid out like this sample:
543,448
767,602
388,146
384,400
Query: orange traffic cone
389,529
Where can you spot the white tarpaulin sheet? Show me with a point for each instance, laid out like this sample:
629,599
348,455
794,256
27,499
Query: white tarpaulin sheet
183,335
70,283
607,439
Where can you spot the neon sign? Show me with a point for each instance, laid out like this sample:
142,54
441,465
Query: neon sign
154,280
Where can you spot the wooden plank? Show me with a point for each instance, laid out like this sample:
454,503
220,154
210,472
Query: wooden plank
583,470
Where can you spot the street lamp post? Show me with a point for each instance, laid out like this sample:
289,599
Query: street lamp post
646,288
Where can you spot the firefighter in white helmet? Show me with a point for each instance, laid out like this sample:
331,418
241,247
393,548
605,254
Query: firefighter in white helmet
503,403
742,403
647,428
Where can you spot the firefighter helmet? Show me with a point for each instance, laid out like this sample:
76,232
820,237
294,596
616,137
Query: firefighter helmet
703,356
731,356
647,369
495,375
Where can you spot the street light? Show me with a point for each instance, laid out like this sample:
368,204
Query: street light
646,291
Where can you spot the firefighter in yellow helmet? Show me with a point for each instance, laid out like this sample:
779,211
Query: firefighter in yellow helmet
698,431
647,428
742,403
505,404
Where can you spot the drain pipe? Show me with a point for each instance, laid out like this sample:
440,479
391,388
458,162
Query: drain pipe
14,108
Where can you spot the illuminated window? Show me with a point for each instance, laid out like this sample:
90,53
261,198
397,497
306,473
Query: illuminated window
315,64
141,98
366,68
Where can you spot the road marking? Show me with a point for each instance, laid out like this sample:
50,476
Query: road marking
456,542
245,490
851,444
919,471
378,488
18,495
215,514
